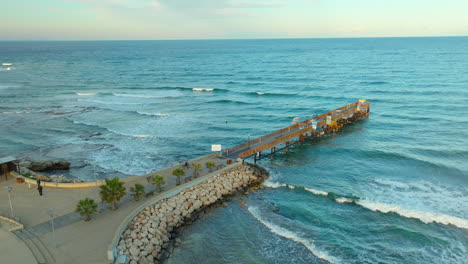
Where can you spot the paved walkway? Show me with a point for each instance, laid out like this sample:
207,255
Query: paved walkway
78,241
12,249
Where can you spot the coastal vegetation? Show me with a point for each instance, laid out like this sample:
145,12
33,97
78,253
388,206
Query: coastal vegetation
158,181
178,173
86,208
112,192
137,191
196,169
210,165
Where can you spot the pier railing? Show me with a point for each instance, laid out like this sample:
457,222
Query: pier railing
286,134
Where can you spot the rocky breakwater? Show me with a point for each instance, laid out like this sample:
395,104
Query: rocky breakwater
152,231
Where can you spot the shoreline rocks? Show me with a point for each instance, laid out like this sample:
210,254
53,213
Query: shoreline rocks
41,166
33,167
153,230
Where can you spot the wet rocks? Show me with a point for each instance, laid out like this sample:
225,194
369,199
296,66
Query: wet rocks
150,232
40,166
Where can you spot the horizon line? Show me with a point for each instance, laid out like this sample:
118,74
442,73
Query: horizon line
201,39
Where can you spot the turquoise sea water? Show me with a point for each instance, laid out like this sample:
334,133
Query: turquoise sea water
389,189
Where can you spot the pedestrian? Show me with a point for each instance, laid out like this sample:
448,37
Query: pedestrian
39,188
38,182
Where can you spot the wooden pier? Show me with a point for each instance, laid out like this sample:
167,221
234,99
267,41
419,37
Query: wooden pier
283,139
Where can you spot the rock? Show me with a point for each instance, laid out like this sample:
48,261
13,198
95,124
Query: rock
48,165
42,177
134,250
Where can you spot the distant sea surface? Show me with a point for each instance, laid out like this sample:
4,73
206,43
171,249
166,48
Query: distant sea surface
389,189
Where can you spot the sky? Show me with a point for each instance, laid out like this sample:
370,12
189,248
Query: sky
229,19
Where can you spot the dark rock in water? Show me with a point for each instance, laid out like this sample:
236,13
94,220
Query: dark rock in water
48,165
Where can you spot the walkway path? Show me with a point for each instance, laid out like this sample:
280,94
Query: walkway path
78,241
12,249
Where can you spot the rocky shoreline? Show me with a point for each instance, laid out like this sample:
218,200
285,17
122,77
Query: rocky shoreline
151,235
31,170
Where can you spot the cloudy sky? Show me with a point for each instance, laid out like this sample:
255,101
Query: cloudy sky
220,19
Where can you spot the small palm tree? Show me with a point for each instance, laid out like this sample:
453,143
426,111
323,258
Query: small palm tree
112,192
158,181
86,208
210,165
178,173
196,167
137,191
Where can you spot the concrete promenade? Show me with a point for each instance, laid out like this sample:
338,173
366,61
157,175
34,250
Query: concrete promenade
12,249
78,241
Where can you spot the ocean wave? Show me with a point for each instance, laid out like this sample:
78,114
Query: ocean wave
423,216
202,89
317,192
85,94
114,131
373,82
104,102
144,95
283,232
227,101
151,114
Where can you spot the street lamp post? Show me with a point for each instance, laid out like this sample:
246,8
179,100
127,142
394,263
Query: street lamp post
9,199
50,212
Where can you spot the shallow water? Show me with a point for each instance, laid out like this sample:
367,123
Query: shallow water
388,189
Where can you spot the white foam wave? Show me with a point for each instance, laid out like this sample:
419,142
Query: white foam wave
138,95
7,64
274,185
152,114
344,200
202,89
104,102
85,94
291,235
314,191
130,135
426,217
260,93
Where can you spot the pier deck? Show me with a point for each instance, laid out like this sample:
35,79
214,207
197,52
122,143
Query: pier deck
328,122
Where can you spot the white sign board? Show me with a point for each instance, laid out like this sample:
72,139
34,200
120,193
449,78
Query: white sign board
215,147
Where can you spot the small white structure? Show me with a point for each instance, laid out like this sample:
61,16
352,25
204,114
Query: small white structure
215,147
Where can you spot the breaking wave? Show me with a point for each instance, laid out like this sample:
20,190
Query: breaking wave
202,89
425,217
151,114
283,232
85,94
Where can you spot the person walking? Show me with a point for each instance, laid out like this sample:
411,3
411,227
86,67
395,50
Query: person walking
39,188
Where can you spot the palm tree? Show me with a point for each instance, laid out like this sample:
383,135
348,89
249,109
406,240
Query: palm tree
112,192
196,167
178,173
86,208
210,165
158,180
137,191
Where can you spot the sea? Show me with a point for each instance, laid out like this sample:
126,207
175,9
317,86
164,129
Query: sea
392,188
